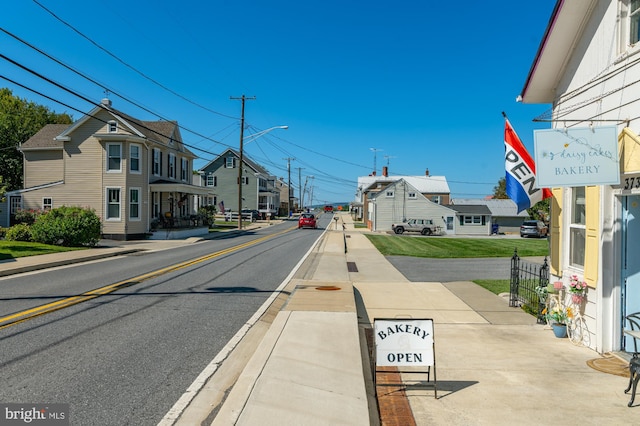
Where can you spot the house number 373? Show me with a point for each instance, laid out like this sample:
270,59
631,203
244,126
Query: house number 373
631,182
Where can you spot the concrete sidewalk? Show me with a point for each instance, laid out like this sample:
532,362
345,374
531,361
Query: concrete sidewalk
495,365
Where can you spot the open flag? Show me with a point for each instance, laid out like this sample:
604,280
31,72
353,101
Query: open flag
221,205
520,172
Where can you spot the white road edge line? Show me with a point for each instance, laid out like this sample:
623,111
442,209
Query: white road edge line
183,402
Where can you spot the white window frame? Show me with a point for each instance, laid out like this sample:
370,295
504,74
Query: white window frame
245,180
473,220
109,203
135,201
155,204
16,204
157,162
389,194
184,169
47,203
212,180
577,228
633,26
132,148
412,196
112,126
230,162
172,166
109,157
436,199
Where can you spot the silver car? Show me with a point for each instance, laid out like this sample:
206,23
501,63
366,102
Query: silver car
533,228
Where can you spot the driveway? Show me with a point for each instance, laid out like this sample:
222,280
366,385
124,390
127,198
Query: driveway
420,269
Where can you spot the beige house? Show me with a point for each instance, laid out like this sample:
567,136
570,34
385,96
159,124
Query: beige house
137,175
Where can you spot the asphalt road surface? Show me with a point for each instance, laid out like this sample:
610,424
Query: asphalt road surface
128,356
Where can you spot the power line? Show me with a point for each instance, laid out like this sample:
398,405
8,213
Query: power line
72,92
138,123
114,56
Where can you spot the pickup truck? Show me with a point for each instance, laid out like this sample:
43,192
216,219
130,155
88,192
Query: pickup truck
423,226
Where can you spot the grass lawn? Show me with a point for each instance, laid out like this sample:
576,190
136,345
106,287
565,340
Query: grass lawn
494,286
443,248
13,249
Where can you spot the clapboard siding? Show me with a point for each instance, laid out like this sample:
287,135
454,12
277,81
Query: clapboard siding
42,167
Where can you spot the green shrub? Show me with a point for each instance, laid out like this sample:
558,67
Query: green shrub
207,214
19,232
67,226
3,232
27,216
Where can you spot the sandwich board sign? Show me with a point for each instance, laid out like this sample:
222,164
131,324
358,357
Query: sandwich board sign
405,343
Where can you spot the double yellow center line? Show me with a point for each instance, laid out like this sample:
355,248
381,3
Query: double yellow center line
31,313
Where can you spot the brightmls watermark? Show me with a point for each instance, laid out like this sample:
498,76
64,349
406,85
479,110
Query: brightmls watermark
34,414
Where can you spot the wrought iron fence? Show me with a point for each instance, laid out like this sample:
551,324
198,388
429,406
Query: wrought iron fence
525,279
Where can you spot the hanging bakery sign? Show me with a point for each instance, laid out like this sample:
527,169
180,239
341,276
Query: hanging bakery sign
577,157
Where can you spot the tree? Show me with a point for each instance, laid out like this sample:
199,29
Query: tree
540,211
19,120
500,190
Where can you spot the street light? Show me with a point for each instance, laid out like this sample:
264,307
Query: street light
241,165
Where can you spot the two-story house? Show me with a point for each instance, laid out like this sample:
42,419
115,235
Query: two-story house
260,189
587,68
135,174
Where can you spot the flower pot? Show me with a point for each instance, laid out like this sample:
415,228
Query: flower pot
577,298
551,289
560,330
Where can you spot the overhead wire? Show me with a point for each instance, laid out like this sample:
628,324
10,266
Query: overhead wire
139,124
131,67
329,178
101,85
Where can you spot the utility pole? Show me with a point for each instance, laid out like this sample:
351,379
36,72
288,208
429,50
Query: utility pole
289,159
242,98
300,186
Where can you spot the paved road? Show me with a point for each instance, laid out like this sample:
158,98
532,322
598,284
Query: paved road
125,358
420,269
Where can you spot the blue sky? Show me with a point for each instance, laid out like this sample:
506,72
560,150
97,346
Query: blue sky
422,83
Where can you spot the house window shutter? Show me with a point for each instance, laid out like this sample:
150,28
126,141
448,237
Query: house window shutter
484,220
592,241
555,246
462,220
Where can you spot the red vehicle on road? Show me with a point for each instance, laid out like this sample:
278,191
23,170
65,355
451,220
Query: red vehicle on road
307,220
328,209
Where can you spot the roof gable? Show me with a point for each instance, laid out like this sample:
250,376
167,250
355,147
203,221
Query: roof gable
257,168
162,132
45,138
564,30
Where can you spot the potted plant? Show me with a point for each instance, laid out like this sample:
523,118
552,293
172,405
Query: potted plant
577,289
557,316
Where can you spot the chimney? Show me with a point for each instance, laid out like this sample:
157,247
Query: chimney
385,171
426,172
374,173
106,102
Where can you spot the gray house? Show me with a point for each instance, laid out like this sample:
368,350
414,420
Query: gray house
504,212
260,189
399,201
472,219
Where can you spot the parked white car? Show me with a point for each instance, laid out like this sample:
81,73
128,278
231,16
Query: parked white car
423,226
